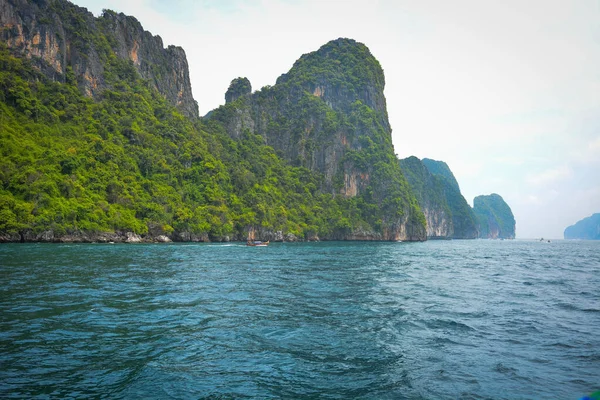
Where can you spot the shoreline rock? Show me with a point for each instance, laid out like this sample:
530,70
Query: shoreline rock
50,236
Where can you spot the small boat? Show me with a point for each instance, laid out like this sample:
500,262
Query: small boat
257,243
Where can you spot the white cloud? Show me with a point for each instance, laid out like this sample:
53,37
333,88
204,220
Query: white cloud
532,199
551,176
590,153
509,160
594,145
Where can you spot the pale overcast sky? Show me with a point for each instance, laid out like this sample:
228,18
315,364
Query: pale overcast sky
506,92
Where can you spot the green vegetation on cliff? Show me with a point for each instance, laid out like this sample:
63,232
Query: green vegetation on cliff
496,220
98,133
448,213
429,192
328,114
441,169
239,87
128,161
587,229
58,36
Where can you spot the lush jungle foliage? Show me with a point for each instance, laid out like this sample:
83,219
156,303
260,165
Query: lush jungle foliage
334,93
131,162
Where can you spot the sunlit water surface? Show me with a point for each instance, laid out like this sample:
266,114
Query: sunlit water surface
436,320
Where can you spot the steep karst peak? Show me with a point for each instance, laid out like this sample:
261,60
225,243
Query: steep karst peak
343,73
239,87
57,35
337,59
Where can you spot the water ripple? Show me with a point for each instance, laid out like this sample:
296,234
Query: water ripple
452,319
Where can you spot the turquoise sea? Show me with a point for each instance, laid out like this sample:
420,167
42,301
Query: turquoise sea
475,319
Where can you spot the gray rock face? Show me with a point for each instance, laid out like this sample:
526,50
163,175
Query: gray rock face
9,237
58,35
49,236
429,192
133,238
464,222
328,114
163,239
190,237
448,214
295,116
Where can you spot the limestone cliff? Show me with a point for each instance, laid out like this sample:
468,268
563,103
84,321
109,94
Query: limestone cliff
429,192
448,214
328,114
464,220
59,36
496,220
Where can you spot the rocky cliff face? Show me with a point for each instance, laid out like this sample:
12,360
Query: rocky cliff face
448,214
303,115
59,36
586,229
496,220
464,220
328,114
429,192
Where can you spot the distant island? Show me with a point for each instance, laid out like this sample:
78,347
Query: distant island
447,213
496,220
587,229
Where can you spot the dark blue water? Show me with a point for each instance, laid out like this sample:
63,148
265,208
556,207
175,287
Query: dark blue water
435,320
